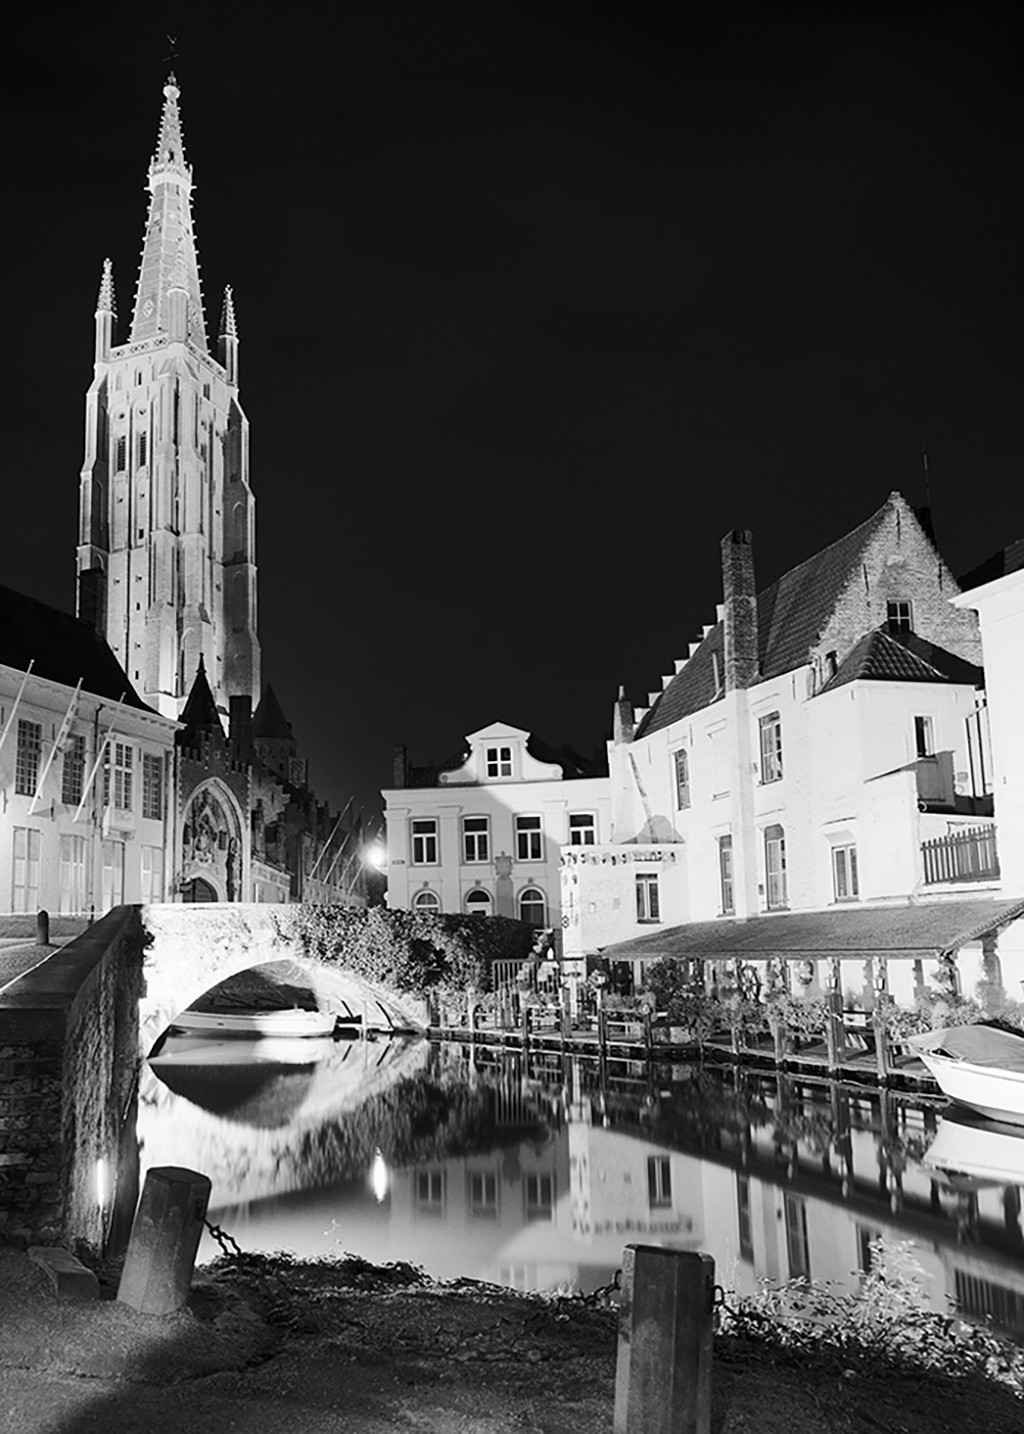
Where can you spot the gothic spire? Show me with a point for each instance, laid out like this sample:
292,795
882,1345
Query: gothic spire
106,303
227,315
170,264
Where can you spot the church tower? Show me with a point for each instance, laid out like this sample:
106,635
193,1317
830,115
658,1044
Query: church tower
166,555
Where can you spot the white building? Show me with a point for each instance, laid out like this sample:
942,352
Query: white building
85,769
482,834
996,592
822,748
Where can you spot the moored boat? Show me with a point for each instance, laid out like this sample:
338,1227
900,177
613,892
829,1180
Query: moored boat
288,1022
978,1066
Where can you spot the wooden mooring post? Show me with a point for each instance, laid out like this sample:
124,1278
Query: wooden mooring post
663,1371
164,1240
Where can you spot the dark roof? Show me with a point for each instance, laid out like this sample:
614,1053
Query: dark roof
889,655
791,614
200,715
1008,560
62,649
911,931
269,720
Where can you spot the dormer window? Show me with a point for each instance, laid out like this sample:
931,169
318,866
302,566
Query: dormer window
499,761
900,615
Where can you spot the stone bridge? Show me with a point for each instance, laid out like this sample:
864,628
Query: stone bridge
195,948
75,1031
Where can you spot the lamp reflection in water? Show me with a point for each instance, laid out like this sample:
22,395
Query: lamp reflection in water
379,1179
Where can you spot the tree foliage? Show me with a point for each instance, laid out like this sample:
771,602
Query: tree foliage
418,953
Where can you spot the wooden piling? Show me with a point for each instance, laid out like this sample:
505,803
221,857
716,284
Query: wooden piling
164,1240
663,1371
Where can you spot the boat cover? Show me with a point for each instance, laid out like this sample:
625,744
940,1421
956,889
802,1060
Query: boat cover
982,1046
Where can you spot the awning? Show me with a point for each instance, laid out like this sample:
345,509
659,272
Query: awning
913,932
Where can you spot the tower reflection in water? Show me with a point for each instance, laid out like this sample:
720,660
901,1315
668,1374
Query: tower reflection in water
535,1171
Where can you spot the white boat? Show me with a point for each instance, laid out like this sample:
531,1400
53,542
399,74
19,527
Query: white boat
288,1022
978,1066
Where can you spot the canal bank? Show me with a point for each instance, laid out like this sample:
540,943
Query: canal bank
352,1348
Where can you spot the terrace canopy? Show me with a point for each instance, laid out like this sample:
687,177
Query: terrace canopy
916,933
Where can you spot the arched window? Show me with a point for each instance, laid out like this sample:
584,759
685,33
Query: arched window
426,901
533,907
478,903
775,867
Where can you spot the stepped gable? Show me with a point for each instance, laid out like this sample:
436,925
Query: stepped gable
1008,560
200,714
791,614
885,655
269,721
62,649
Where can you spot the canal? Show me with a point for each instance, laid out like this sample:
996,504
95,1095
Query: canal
534,1171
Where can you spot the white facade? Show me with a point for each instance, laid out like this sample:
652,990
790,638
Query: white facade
485,837
804,788
86,799
1000,607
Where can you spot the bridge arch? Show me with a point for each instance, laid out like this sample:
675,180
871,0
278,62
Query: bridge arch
194,948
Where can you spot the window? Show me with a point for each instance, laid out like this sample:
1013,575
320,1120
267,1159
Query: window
771,747
478,902
120,453
152,786
725,875
482,1194
528,841
659,1182
845,882
26,766
499,761
539,1196
73,774
72,875
681,760
924,736
25,883
582,829
648,905
424,841
533,907
775,867
901,616
475,838
117,776
152,874
429,1190
142,450
112,889
426,901
796,1237
866,1237
746,1226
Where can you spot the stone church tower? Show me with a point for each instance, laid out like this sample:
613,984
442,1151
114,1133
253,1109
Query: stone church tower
166,555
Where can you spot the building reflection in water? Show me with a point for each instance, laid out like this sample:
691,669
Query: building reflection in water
535,1172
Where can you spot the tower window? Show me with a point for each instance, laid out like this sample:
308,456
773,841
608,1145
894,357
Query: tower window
120,453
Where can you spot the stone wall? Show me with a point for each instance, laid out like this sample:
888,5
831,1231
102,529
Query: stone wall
69,1058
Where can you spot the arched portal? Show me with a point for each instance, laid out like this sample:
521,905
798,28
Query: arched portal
198,890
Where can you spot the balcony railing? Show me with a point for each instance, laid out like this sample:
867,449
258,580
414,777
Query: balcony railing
968,855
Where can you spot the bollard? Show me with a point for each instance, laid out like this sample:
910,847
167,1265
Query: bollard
42,928
663,1371
164,1240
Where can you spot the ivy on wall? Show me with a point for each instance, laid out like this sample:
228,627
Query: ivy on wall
416,953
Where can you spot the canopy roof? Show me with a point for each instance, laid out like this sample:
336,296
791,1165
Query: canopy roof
913,932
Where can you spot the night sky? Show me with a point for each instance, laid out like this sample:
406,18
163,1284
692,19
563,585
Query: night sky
536,301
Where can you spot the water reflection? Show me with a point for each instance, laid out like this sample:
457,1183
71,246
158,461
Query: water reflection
536,1171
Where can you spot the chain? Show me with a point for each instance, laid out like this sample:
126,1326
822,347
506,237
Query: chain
279,1295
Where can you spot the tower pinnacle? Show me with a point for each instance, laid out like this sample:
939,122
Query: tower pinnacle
169,258
106,303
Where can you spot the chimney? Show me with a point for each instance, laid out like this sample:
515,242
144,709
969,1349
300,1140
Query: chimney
740,602
623,721
401,766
